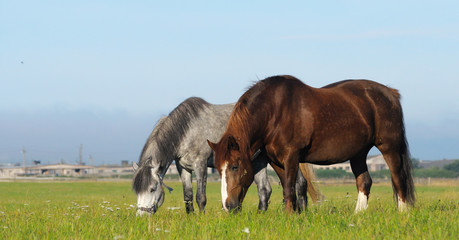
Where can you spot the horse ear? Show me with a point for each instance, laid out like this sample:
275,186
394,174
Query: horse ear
232,144
135,166
212,145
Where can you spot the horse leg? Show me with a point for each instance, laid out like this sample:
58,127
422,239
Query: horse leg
301,189
201,179
280,173
185,176
363,181
288,188
399,181
291,167
262,182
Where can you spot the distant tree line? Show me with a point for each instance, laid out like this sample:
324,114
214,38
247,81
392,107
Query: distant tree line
448,171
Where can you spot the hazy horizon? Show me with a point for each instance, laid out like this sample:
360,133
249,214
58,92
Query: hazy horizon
111,136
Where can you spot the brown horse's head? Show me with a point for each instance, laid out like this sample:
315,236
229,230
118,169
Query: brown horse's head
232,161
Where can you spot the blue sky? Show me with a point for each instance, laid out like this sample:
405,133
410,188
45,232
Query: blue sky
101,73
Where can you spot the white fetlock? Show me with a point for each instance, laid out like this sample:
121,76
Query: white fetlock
401,205
362,202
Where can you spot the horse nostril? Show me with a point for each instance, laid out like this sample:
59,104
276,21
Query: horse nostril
234,209
233,206
234,168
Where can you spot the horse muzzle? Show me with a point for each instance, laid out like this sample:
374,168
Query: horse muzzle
143,211
233,206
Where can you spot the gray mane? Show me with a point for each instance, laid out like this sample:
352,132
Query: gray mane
164,140
162,144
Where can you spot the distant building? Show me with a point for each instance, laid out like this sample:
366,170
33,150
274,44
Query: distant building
60,170
6,172
46,170
107,171
68,170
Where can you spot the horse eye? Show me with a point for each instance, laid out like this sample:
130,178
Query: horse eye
153,189
234,168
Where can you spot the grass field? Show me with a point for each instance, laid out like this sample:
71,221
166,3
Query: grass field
105,210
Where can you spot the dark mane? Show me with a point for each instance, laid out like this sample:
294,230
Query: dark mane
169,131
239,122
259,87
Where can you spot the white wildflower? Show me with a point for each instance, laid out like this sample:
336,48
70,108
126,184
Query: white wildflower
173,208
246,230
118,237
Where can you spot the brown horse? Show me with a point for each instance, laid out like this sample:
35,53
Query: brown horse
295,123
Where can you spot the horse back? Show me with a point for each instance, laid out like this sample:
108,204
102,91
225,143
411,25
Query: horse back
350,117
330,124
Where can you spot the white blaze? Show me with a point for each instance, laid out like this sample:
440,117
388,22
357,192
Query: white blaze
224,190
362,202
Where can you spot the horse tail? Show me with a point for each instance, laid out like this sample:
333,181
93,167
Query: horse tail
406,178
406,167
310,176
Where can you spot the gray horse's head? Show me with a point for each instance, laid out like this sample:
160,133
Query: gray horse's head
148,185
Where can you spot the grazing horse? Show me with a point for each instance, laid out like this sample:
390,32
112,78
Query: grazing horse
295,123
181,136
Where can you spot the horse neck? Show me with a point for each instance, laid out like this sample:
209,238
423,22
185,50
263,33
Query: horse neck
158,154
243,126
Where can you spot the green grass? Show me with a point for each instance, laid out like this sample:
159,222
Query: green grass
102,210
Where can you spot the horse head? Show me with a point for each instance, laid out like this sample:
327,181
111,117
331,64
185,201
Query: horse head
232,161
148,185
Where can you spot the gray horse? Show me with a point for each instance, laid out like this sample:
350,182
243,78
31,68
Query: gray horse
181,136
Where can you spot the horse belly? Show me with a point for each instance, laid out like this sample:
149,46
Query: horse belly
336,149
